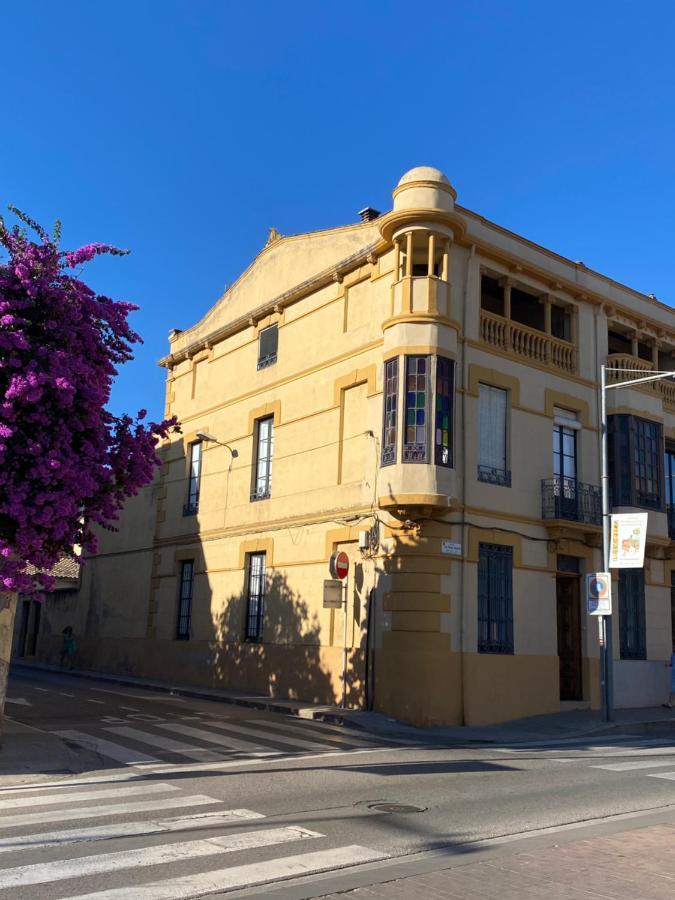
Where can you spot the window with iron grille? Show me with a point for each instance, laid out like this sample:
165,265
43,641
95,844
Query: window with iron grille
268,342
635,462
187,572
492,443
416,408
390,412
632,614
443,402
262,470
495,599
194,476
255,607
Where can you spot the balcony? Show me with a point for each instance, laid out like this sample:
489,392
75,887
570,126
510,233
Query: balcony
529,343
490,475
570,500
616,362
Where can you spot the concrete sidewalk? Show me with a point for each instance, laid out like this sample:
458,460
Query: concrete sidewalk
557,726
634,863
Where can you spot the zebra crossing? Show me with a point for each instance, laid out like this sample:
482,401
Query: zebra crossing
197,833
204,741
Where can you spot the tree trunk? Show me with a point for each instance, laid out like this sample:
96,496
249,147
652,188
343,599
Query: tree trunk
8,604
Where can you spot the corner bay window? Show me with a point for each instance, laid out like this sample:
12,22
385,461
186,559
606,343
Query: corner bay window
255,600
427,410
635,462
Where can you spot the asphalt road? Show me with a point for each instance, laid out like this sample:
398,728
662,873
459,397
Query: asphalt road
174,797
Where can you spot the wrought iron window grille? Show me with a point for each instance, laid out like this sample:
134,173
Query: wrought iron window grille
266,361
260,494
491,475
191,507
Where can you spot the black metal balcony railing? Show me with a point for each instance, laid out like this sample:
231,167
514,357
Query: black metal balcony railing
567,498
494,476
191,507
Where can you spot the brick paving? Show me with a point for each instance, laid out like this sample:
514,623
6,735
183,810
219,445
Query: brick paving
630,865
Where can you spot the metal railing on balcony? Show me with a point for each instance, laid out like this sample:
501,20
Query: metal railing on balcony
567,498
492,475
506,334
616,362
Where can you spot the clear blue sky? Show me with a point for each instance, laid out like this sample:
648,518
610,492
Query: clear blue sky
183,130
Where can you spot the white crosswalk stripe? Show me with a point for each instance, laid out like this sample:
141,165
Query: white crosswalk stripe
242,876
635,765
301,744
111,809
109,748
63,857
669,776
14,802
160,742
124,829
223,741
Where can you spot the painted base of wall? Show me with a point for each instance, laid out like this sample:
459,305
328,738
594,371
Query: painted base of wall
297,672
640,682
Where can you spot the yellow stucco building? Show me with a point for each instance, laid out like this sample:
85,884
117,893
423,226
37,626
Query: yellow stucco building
420,390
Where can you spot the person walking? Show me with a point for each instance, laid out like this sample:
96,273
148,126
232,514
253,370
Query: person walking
68,648
671,696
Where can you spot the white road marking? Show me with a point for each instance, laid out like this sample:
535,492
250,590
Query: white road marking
43,690
68,783
126,829
129,708
172,768
669,776
283,728
259,735
102,702
637,764
64,694
225,743
242,876
19,701
158,742
109,748
79,867
113,809
158,696
78,796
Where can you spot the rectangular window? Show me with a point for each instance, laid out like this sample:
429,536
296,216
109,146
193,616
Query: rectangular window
256,596
416,408
635,461
492,438
669,472
262,470
495,599
390,412
187,572
268,341
194,475
445,370
632,614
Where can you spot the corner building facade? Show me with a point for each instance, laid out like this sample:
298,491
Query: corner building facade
420,390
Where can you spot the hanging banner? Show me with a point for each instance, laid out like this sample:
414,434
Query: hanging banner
628,536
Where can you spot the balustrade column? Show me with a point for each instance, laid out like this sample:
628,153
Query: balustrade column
507,314
547,326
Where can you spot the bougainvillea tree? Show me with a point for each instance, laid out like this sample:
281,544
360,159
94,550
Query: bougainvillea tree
67,464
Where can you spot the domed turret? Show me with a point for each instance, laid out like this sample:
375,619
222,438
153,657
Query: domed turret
424,187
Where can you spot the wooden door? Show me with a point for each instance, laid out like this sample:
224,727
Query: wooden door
569,637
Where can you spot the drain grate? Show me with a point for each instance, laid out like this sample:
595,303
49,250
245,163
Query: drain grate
396,808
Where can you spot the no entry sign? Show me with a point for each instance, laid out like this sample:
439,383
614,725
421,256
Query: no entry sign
339,565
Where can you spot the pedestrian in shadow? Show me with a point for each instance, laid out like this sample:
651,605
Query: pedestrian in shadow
671,696
68,647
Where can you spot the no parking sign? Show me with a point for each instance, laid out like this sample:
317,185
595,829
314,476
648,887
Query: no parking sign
599,594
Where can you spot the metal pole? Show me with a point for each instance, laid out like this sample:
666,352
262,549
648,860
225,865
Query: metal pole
344,647
605,622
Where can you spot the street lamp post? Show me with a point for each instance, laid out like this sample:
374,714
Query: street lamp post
605,622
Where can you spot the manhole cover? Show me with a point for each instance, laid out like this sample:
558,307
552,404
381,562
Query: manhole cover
396,808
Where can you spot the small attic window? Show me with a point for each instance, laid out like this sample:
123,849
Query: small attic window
268,341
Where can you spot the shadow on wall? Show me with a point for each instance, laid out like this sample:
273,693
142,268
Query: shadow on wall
288,662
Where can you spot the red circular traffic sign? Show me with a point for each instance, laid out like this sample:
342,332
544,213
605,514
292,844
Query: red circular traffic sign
339,565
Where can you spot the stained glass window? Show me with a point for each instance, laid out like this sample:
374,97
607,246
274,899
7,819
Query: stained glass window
416,408
390,411
443,403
